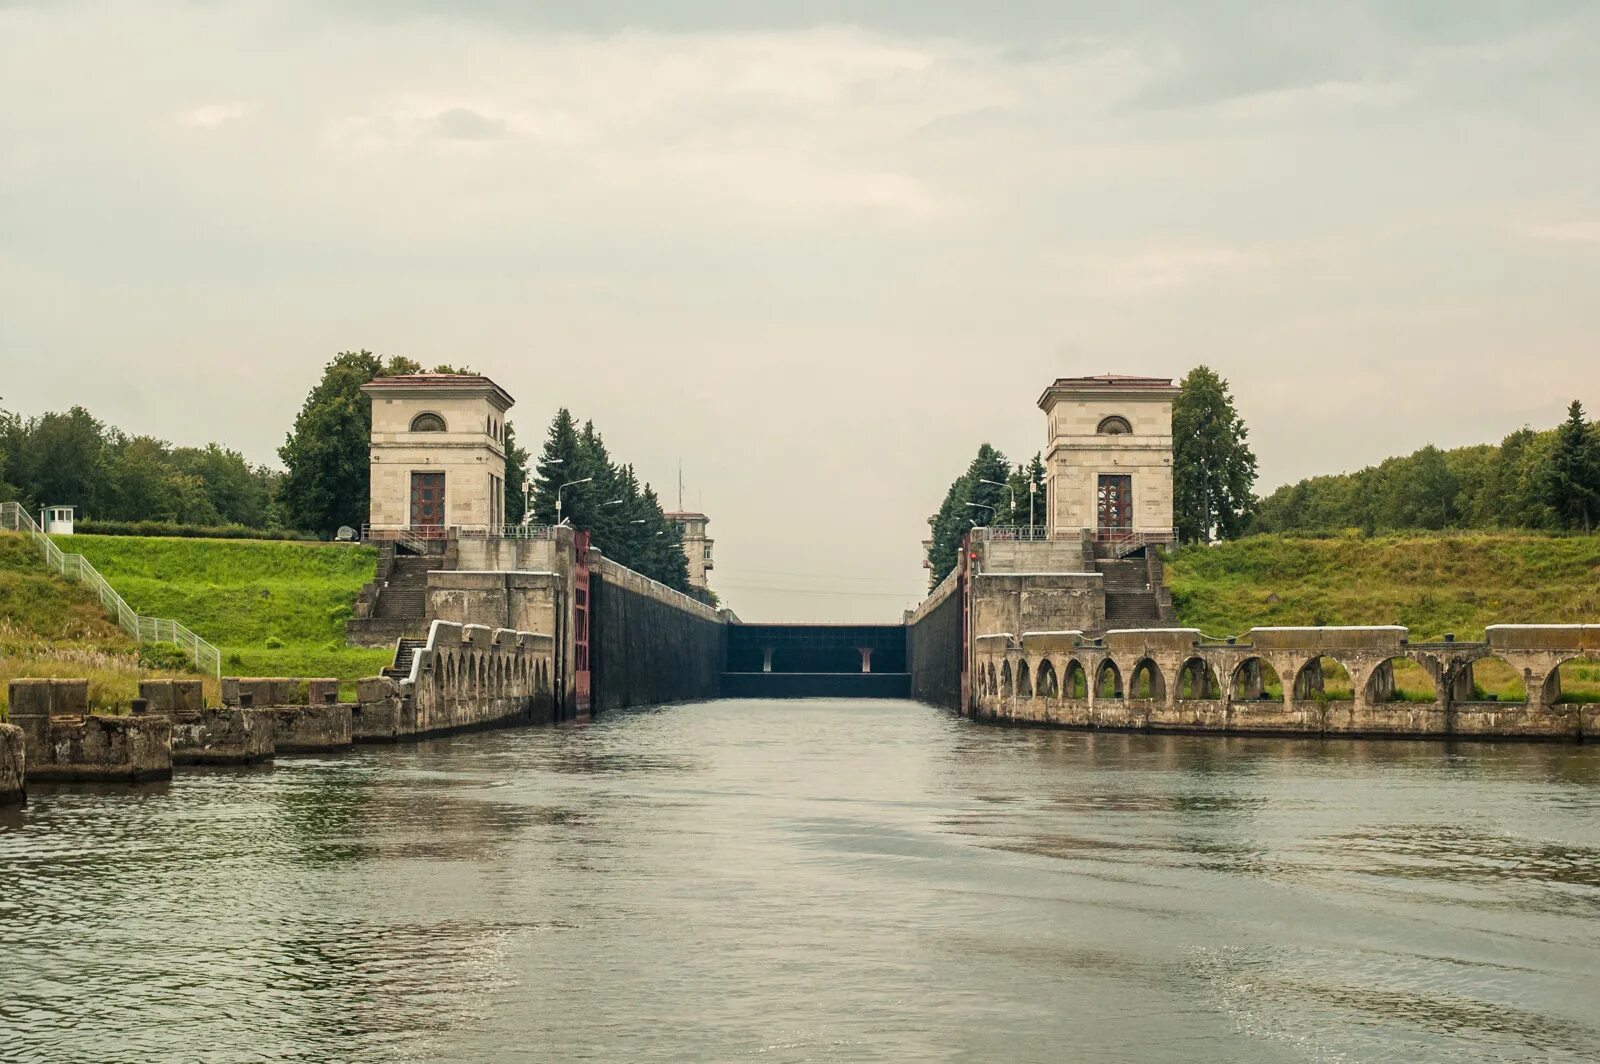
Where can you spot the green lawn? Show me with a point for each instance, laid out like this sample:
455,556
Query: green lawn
273,608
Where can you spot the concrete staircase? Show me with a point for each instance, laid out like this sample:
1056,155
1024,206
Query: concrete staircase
395,604
404,652
1135,597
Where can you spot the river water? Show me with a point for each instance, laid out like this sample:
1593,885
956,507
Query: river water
815,881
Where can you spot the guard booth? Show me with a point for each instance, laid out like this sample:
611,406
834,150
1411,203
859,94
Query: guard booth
57,520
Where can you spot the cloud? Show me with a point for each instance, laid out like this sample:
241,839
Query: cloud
463,123
211,114
1581,231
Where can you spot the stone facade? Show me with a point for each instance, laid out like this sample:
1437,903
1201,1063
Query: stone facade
64,741
438,451
13,760
1176,680
1101,430
696,545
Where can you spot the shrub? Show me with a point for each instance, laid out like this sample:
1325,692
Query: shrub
168,528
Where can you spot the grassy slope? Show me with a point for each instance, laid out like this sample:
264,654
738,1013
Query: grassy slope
1432,584
50,627
241,594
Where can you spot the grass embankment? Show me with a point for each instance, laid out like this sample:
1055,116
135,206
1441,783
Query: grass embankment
50,627
1431,583
272,608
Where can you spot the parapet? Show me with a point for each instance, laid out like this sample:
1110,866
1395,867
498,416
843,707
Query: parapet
1334,637
1578,638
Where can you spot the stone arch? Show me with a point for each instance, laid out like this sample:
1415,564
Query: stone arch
1324,678
1115,425
994,682
1024,681
1075,680
1146,681
1107,679
1575,680
1005,679
428,421
1400,679
1197,680
1252,680
1045,682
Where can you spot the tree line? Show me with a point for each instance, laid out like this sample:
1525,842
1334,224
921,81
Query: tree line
606,498
73,458
1531,480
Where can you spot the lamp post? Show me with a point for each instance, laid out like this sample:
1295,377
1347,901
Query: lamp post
1009,488
564,487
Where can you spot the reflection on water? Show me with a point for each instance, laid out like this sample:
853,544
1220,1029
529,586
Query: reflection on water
815,881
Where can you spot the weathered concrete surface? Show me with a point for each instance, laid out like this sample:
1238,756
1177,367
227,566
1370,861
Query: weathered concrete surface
174,699
225,736
649,644
63,741
1172,679
933,645
13,777
310,729
381,714
471,676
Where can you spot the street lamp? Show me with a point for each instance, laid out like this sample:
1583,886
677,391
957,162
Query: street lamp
564,487
1009,488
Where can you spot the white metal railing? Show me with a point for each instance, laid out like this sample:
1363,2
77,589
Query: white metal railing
1023,533
206,658
419,535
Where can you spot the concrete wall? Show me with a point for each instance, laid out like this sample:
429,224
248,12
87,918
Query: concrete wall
1037,602
64,741
1148,679
471,676
12,759
934,646
224,736
648,643
520,601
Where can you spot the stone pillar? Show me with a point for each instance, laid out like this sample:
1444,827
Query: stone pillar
1309,683
1461,688
866,658
766,659
1247,681
1382,683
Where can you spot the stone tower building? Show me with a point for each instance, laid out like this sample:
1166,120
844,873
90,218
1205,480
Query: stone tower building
1109,464
696,545
438,451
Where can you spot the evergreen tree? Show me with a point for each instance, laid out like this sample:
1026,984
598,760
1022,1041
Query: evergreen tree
516,478
1572,477
971,501
559,463
1213,469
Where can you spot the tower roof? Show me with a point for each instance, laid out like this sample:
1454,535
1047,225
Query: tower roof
435,384
1106,383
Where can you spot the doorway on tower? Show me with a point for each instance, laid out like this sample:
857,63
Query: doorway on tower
427,500
1114,506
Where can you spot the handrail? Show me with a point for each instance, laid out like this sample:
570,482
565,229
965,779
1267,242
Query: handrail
207,658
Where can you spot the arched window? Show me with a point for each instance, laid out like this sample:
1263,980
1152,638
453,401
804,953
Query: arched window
427,423
1114,425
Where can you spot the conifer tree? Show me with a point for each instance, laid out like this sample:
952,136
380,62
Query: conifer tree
1572,478
1213,469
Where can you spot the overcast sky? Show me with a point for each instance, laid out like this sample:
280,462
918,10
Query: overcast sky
815,252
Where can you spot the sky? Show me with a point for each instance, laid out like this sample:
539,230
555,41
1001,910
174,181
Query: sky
812,253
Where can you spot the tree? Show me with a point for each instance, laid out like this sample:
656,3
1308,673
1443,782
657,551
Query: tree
1213,469
516,478
327,454
974,498
1572,477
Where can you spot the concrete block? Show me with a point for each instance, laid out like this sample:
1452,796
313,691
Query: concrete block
322,691
503,637
174,699
69,698
376,689
12,763
29,698
224,736
477,634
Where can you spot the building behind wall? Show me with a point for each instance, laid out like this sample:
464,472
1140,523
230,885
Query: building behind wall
1109,463
438,452
696,546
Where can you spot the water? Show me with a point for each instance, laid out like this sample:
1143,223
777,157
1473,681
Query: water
815,881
